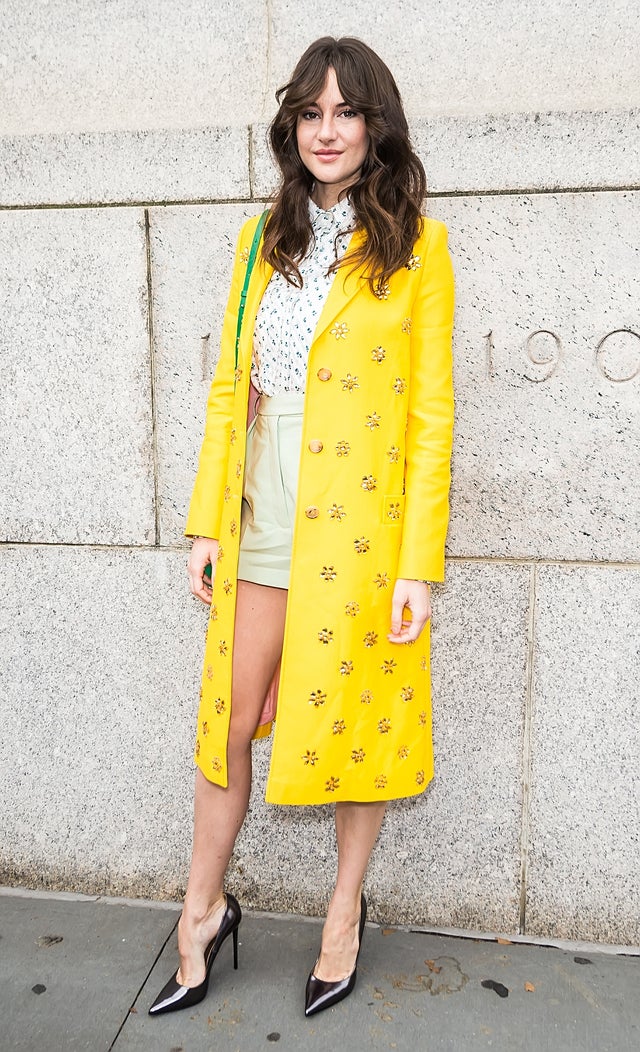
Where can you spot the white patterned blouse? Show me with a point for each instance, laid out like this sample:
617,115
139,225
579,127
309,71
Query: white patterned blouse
288,316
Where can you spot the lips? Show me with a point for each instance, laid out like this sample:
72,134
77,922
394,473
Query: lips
327,155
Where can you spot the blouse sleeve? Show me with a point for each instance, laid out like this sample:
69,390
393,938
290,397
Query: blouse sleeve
429,435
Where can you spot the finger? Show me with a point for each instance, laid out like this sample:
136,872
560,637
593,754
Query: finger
397,609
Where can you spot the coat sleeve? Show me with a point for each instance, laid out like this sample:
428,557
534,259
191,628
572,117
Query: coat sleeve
429,434
205,508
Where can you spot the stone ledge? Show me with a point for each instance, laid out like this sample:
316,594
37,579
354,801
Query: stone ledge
124,167
511,151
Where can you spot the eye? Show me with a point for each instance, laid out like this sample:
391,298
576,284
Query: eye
308,115
349,113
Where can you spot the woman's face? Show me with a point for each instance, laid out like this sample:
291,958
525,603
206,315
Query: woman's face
332,143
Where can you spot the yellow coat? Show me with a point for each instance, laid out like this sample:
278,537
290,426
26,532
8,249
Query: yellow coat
354,712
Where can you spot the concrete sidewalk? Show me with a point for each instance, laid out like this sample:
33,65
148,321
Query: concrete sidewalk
80,973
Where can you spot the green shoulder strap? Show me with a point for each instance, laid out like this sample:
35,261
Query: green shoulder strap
253,252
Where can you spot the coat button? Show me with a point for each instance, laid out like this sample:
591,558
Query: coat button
315,445
312,511
324,374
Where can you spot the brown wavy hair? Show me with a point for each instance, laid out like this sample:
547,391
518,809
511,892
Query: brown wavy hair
388,195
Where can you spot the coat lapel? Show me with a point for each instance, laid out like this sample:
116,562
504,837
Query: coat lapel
344,287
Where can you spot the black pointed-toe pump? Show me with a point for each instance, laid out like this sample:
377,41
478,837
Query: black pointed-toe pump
174,996
321,994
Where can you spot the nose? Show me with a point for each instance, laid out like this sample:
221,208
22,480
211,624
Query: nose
327,130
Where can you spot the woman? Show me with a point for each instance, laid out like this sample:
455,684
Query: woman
326,521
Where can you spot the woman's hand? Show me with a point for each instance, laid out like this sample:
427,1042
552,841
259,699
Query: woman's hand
416,596
203,551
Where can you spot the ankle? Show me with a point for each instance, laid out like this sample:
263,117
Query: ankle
202,910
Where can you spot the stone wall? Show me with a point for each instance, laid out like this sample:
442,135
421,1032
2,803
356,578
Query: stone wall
132,148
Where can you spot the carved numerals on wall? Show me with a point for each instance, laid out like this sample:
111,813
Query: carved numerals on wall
544,351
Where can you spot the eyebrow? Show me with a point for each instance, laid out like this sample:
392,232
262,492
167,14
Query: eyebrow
336,107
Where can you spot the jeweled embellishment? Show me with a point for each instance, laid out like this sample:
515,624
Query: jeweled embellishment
317,698
325,635
227,492
381,580
244,255
350,383
227,586
214,612
328,573
422,719
378,354
233,527
380,781
384,726
406,326
216,763
366,697
420,778
413,263
220,706
209,671
343,449
388,667
339,727
361,545
382,290
205,728
351,609
403,752
340,330
373,421
370,639
423,664
233,435
346,668
197,747
337,512
238,375
393,454
407,693
310,758
399,385
358,755
220,553
369,483
332,784
238,469
223,648
393,511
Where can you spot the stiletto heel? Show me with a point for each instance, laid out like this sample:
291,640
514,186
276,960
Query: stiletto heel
321,994
174,996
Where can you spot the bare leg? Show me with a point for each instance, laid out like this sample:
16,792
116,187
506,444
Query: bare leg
357,828
219,813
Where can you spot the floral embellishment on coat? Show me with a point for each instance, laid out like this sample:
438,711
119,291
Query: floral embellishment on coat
339,727
369,482
222,647
393,454
403,752
378,354
413,263
216,763
351,609
388,667
197,747
238,375
350,383
423,664
325,635
358,755
370,639
380,781
233,527
227,492
399,385
361,545
205,728
337,512
332,784
310,758
209,671
384,725
422,719
227,586
407,693
340,330
238,469
382,290
213,614
220,706
343,448
346,668
220,553
420,778
317,698
366,697
406,326
244,255
373,421
381,580
233,435
328,573
393,510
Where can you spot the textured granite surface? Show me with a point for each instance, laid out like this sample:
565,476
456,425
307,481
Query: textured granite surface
191,256
75,399
452,856
133,65
583,877
124,166
545,460
508,151
101,666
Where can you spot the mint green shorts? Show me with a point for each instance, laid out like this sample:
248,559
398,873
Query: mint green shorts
270,487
